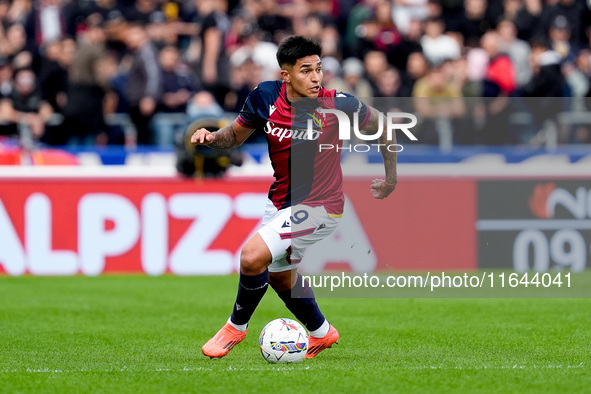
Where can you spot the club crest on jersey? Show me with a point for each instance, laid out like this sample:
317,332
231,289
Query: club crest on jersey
318,119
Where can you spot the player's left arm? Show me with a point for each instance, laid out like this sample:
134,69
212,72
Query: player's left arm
381,188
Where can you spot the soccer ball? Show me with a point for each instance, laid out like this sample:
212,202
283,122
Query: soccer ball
283,341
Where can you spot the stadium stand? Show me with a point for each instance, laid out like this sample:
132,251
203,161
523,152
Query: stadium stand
93,73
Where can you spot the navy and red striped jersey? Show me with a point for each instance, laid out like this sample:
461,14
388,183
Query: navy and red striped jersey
303,173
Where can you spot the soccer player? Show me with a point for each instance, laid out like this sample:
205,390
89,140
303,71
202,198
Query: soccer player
268,256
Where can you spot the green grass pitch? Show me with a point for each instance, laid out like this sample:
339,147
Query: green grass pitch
144,334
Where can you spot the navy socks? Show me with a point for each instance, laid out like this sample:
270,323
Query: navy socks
301,302
251,290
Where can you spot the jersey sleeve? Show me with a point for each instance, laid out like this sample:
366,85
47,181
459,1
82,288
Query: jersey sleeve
350,105
249,115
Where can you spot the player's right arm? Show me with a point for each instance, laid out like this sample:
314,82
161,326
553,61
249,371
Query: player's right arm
227,137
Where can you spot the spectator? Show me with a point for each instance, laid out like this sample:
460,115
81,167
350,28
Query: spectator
22,59
547,80
26,106
178,85
388,83
7,126
53,74
436,9
5,78
405,11
143,84
438,101
203,105
435,85
377,32
18,12
358,14
213,68
319,27
15,41
525,15
448,10
411,42
417,68
240,79
353,81
455,72
560,39
388,33
511,9
273,21
500,74
332,71
245,77
142,12
498,84
583,64
375,62
577,83
89,83
518,51
159,30
417,39
474,22
476,66
100,11
437,46
46,23
547,83
240,25
259,51
572,11
325,8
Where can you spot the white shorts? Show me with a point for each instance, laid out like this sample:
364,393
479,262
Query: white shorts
288,232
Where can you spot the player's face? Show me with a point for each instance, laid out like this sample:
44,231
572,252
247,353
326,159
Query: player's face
304,78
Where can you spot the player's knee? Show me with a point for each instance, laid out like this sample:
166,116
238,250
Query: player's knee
281,281
252,262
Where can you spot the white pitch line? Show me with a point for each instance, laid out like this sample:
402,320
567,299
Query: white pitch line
536,224
291,368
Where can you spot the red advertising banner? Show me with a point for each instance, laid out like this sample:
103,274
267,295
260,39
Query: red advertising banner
87,226
425,225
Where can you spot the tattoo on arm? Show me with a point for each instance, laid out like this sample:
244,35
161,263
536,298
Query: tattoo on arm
390,165
374,120
389,157
225,138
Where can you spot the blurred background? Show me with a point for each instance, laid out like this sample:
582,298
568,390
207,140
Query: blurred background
122,73
99,94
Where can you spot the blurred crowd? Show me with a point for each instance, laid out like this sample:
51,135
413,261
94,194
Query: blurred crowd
67,65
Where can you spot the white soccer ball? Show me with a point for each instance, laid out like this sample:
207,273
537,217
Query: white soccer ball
283,341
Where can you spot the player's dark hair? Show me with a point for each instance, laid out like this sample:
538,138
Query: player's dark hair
297,47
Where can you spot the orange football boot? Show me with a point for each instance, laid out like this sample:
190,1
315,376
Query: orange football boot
316,345
223,341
